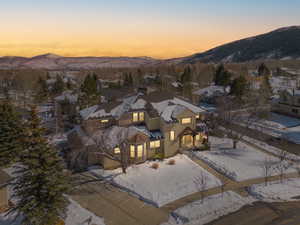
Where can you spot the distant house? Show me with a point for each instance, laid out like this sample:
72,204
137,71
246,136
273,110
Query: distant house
288,103
209,94
4,178
151,125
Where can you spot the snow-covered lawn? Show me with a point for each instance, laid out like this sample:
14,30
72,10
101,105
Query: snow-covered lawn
165,184
242,163
288,190
213,207
278,125
76,215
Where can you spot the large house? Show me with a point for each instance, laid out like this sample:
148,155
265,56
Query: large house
288,103
145,126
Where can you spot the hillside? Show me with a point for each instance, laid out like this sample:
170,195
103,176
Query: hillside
280,44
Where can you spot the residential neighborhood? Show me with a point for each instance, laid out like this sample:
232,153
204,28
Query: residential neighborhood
150,113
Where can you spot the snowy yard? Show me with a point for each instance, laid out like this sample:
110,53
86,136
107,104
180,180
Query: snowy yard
288,190
279,126
213,207
242,163
165,184
76,215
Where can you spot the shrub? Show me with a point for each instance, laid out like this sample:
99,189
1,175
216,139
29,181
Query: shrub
155,166
171,162
158,156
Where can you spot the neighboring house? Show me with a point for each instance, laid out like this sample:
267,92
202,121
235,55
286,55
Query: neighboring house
288,103
209,94
153,125
4,178
66,104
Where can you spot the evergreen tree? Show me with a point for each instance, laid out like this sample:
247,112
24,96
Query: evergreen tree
222,76
10,134
187,75
59,85
40,184
239,87
263,70
42,93
89,91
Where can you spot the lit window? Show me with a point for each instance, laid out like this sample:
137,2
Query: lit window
104,121
155,144
117,150
142,116
140,149
135,117
197,116
172,135
186,120
198,137
132,151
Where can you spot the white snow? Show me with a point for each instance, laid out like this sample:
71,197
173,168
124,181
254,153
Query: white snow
139,104
277,191
165,184
212,90
212,207
67,95
76,215
170,112
242,163
278,125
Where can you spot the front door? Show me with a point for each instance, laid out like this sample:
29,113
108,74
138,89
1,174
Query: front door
187,141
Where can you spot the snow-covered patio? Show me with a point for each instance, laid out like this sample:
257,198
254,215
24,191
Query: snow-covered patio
212,207
243,163
165,184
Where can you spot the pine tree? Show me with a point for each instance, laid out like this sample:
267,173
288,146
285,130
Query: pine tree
40,184
89,91
239,87
10,134
263,70
59,85
222,76
42,93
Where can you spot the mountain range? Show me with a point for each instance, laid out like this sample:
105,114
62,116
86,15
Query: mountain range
281,44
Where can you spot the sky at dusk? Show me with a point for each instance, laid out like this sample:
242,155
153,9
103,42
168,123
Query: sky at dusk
156,28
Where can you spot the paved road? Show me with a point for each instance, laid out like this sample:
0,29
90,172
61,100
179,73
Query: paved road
287,213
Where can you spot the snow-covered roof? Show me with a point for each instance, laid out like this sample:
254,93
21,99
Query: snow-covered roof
67,95
129,103
212,90
169,109
293,92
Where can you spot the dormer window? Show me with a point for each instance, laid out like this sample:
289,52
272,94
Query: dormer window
138,116
186,120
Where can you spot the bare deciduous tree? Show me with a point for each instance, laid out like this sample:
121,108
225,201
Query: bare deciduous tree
201,183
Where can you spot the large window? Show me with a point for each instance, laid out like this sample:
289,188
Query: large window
172,135
186,120
132,151
140,149
155,144
135,117
141,116
138,116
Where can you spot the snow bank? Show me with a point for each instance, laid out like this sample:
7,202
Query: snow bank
212,208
